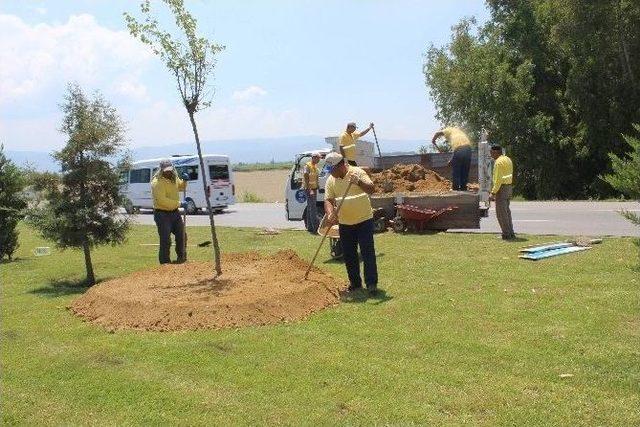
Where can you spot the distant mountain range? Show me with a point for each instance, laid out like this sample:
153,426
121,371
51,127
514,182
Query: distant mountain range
239,150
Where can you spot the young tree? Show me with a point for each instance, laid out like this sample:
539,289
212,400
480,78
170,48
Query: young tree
82,211
12,204
626,175
192,60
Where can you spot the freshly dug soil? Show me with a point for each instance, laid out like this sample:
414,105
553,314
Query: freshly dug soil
253,290
409,179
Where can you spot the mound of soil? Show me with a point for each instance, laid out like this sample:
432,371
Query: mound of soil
409,179
253,290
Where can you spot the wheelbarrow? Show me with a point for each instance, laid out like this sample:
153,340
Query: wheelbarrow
415,218
335,246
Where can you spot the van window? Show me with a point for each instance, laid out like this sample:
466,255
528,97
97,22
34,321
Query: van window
192,171
140,176
218,171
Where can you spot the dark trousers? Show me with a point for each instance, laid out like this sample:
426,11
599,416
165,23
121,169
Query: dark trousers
503,210
168,223
460,165
352,236
352,162
312,212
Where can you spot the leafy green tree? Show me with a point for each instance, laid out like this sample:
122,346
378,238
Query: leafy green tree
626,175
82,211
555,81
191,60
12,204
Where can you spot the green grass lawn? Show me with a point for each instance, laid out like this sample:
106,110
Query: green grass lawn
467,333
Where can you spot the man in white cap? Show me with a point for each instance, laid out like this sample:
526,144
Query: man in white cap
348,142
165,188
310,184
355,219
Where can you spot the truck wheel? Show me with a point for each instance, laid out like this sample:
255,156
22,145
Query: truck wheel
380,225
191,207
399,225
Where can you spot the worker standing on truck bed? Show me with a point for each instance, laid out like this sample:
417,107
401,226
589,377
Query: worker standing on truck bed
348,142
310,184
355,219
165,188
461,160
502,190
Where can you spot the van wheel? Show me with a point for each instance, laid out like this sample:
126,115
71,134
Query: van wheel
128,207
191,207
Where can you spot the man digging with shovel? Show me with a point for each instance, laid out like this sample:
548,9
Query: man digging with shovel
354,219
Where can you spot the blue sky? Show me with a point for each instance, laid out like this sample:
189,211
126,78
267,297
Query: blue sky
290,68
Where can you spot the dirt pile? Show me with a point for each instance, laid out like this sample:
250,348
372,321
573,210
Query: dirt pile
253,290
409,179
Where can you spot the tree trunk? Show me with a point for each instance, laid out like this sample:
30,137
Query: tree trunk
214,237
91,278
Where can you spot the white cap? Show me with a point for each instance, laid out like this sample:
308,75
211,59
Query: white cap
315,154
333,159
166,165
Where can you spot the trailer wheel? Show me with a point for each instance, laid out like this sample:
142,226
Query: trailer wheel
399,225
191,208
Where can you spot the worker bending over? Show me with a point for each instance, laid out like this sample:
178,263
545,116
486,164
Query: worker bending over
502,190
310,185
348,140
165,188
355,219
461,160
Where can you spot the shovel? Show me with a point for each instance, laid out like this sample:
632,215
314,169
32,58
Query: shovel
324,236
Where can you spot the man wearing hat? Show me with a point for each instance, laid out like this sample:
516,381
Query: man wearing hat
355,219
461,160
310,184
502,190
165,188
348,142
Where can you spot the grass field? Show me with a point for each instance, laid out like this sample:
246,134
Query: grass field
466,333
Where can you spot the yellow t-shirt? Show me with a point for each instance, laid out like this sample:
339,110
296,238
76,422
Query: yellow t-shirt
165,192
348,144
502,173
312,171
456,137
357,205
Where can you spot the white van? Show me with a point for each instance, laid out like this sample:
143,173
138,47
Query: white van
136,182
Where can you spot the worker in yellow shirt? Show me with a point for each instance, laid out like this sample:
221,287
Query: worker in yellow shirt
348,140
310,185
165,188
502,190
461,160
355,219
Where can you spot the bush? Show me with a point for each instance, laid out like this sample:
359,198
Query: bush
249,197
12,205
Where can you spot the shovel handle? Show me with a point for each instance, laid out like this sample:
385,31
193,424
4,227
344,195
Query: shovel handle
327,231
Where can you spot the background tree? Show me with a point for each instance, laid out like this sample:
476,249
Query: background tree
82,211
626,175
555,81
192,60
12,204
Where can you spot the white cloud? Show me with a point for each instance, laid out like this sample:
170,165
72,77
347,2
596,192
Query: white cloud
248,93
39,57
131,88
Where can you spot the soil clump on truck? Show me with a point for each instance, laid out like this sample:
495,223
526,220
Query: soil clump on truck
409,179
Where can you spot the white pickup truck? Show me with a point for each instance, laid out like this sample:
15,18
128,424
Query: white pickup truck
296,200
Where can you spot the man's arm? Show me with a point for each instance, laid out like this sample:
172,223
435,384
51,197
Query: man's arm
364,183
435,137
498,171
306,178
364,132
329,205
342,152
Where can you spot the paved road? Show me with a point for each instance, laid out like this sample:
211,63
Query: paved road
566,218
